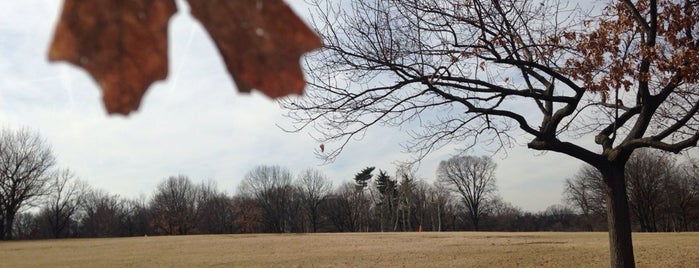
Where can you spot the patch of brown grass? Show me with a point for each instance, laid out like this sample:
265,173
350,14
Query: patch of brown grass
462,249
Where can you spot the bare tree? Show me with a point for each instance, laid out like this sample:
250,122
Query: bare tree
682,195
64,200
136,217
559,217
406,196
473,179
314,187
271,187
422,212
215,210
647,173
25,163
343,208
28,226
504,215
475,72
247,215
440,200
585,191
174,205
102,214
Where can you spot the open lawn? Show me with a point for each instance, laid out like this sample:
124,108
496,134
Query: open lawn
462,249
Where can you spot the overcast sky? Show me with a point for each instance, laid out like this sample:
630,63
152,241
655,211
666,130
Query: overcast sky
196,124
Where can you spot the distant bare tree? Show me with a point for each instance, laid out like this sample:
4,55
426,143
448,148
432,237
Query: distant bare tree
102,214
647,173
407,196
439,200
473,179
136,217
247,215
682,195
343,208
559,217
174,205
421,209
504,215
28,226
64,199
271,187
585,191
25,161
314,187
215,210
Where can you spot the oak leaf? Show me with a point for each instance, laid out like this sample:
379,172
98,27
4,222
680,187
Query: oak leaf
122,44
261,42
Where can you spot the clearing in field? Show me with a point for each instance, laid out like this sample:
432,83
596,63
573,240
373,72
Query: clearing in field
462,249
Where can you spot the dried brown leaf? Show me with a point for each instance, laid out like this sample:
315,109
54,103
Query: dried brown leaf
122,44
261,42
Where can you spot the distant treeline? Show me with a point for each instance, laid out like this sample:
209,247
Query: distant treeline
38,201
179,207
270,200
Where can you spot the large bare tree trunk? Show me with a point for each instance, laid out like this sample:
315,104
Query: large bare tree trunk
618,220
9,225
2,225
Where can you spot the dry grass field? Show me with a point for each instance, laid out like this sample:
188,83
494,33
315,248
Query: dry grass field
426,249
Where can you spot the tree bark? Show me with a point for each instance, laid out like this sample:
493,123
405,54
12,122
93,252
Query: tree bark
314,219
474,215
9,225
618,220
2,226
